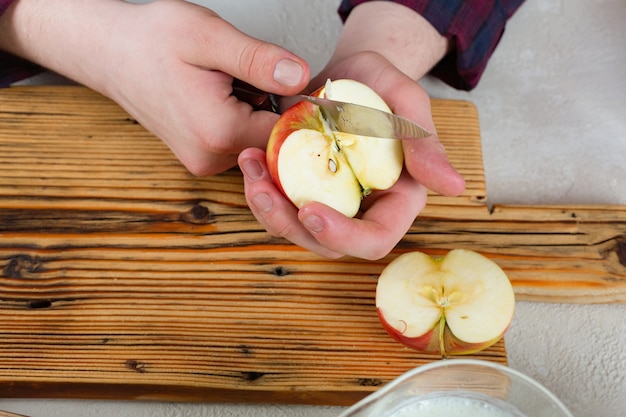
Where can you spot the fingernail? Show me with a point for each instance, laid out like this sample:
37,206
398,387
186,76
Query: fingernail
252,169
288,73
263,202
313,223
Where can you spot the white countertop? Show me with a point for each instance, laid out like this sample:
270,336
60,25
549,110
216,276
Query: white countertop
552,107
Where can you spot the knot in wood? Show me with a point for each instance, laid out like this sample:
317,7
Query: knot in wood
20,265
39,304
198,214
252,376
136,366
369,382
280,271
246,350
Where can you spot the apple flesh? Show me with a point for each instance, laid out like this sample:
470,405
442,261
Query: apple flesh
458,304
309,162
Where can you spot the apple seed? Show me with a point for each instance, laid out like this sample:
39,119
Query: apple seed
332,166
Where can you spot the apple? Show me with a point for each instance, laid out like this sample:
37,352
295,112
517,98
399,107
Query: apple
309,162
453,305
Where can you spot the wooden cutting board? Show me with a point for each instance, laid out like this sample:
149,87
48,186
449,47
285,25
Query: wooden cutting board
124,277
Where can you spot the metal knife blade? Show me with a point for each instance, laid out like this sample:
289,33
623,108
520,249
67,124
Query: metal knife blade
367,121
341,116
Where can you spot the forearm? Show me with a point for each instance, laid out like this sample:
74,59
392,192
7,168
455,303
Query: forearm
473,27
401,35
71,37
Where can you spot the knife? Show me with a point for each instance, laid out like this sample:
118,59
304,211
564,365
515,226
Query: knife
341,116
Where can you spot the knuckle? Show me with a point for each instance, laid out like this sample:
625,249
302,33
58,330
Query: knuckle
212,140
207,166
197,168
283,229
206,157
253,60
375,254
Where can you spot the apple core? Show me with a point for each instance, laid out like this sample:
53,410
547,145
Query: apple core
310,162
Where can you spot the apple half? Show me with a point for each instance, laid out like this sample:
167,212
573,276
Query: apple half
309,162
453,305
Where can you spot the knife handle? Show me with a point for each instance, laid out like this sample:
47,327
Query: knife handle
258,99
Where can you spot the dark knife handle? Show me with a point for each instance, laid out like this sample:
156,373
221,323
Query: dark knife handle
258,99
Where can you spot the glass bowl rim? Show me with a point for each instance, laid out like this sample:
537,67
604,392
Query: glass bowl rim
456,362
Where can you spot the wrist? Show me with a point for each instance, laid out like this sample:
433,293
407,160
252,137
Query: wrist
398,33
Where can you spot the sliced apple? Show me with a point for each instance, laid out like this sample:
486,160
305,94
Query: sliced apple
457,304
309,162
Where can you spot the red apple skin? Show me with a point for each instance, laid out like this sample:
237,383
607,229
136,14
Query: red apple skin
429,341
303,115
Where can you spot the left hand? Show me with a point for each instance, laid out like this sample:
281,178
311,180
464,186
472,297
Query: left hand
373,51
386,215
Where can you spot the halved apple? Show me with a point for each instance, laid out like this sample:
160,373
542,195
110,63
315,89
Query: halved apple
309,162
457,304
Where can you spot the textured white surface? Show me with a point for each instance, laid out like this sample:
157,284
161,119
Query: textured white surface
552,106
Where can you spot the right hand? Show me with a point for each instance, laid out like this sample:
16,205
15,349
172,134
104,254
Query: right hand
169,64
176,79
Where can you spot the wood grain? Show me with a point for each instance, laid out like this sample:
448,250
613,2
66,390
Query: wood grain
8,414
123,276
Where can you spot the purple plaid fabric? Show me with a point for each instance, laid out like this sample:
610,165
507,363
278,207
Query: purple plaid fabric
13,69
474,26
4,5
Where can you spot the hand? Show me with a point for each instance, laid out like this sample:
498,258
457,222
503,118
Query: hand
386,215
325,231
170,64
185,98
425,159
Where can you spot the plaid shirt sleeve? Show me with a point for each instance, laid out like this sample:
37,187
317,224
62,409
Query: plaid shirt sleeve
13,69
4,4
474,27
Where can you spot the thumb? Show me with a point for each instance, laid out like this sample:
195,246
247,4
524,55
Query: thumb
426,161
264,65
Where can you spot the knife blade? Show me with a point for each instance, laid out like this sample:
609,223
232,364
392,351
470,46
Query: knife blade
366,121
341,116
